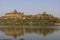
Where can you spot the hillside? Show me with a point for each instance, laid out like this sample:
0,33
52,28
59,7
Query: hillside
18,18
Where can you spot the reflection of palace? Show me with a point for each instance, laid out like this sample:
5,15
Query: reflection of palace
15,31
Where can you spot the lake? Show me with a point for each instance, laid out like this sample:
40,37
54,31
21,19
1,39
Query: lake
29,32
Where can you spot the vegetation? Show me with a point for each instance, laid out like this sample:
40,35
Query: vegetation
38,19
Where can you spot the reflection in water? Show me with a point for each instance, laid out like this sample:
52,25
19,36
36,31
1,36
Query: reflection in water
19,31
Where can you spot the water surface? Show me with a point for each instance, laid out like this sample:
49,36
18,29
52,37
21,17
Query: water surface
29,33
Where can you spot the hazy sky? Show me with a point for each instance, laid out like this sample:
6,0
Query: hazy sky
30,6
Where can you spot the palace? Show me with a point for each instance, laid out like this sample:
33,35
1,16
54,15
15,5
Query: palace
14,14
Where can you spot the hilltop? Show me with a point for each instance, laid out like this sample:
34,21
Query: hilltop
18,18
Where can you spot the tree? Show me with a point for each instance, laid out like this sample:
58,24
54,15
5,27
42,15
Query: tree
15,11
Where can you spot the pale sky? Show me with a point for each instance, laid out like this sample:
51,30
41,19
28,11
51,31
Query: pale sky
30,6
